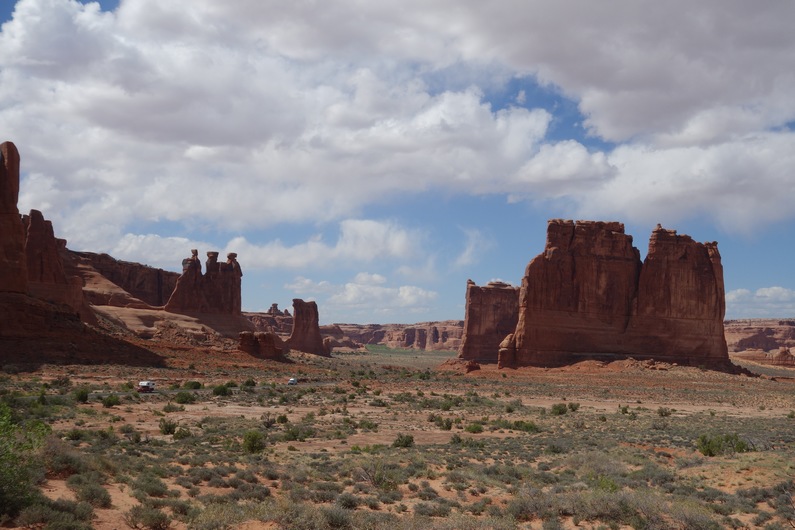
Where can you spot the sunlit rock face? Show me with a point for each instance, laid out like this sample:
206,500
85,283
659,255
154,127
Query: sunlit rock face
589,295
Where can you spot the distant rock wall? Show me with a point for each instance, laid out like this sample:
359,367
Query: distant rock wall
588,295
768,335
150,285
492,312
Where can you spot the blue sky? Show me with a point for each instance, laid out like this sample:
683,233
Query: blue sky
374,157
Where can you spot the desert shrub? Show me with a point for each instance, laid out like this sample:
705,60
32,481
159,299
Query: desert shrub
221,390
61,459
181,433
721,444
368,425
558,409
432,509
170,407
336,516
18,470
253,441
94,494
151,485
57,515
281,418
184,398
249,382
403,440
81,394
664,412
143,516
474,428
167,426
573,406
299,432
111,401
347,501
192,385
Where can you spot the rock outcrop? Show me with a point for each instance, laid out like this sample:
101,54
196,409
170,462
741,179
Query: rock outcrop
265,345
589,295
13,266
150,285
492,312
47,278
306,335
217,291
768,335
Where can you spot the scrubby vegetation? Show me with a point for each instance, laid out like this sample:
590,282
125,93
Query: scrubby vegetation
380,441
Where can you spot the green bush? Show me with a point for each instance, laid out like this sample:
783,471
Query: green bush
474,428
192,385
18,445
81,394
94,494
253,441
111,401
664,412
559,409
167,426
143,516
221,390
185,398
403,440
721,444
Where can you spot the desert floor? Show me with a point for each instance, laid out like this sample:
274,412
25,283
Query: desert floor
405,439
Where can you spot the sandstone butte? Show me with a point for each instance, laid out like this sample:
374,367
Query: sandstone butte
588,295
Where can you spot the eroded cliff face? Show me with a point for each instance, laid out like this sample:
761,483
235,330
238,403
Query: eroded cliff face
150,285
13,267
588,295
492,312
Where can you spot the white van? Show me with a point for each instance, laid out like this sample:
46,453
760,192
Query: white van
146,386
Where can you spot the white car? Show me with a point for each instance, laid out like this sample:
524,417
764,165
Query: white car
292,381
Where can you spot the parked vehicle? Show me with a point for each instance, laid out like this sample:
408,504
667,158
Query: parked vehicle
146,386
292,381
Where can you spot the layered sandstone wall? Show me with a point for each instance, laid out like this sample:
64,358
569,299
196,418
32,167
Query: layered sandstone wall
492,312
588,295
150,285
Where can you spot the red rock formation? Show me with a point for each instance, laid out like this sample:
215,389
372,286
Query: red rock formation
217,291
492,312
306,335
148,284
768,335
265,345
13,268
587,294
47,279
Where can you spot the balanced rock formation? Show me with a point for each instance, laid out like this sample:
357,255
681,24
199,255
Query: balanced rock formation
492,312
306,335
589,295
217,291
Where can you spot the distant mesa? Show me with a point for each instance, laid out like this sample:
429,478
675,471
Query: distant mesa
588,295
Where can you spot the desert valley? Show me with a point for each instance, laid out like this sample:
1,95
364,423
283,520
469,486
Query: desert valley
604,392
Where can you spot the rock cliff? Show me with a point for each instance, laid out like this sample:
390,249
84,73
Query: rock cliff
13,266
492,312
148,284
588,294
217,291
306,335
